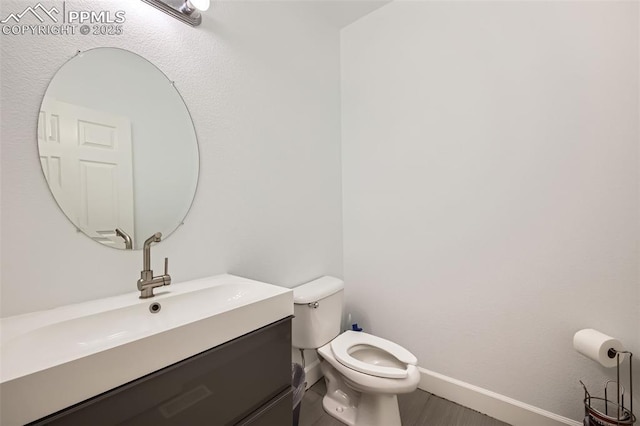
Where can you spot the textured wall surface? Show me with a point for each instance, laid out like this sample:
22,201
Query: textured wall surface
490,169
491,194
261,81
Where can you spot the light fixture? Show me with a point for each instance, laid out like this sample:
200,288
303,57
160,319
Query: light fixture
186,11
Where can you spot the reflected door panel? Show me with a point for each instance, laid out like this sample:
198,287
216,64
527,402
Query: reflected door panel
118,147
87,163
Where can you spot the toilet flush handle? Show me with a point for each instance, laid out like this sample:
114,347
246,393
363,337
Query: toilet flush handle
313,305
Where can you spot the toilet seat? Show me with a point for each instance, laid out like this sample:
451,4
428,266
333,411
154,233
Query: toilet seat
341,345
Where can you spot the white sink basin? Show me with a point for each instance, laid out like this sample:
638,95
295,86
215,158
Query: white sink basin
52,359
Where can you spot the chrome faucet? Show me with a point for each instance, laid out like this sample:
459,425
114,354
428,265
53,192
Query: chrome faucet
147,281
127,239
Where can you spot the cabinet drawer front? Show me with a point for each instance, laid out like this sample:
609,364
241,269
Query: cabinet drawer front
217,387
277,412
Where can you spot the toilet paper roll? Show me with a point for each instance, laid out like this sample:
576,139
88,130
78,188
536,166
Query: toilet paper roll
595,345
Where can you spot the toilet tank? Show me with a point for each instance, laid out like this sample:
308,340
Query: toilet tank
317,312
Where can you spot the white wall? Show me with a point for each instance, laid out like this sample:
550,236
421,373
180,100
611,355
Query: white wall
490,168
491,187
261,81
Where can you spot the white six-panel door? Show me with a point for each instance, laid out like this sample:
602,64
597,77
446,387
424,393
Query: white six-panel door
86,157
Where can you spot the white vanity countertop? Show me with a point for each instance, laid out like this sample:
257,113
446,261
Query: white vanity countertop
52,359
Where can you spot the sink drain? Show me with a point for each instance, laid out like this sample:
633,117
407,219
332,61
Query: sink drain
154,308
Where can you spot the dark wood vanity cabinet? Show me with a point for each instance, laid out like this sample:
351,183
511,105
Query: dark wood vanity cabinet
246,381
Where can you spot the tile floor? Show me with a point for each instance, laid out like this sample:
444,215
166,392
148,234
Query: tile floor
419,408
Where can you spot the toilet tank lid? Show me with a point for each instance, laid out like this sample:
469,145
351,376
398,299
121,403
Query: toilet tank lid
317,289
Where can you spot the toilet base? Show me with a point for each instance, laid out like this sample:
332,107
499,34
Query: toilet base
373,410
340,401
344,413
355,408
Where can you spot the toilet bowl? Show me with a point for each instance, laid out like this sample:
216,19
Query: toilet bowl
364,373
364,379
372,355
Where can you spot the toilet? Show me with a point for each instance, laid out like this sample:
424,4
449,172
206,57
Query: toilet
364,373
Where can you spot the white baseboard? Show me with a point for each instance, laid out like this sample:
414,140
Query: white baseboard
312,370
498,406
313,373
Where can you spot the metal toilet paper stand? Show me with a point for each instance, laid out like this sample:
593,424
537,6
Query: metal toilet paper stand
606,412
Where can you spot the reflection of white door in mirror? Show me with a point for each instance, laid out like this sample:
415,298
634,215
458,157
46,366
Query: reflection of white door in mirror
86,158
118,147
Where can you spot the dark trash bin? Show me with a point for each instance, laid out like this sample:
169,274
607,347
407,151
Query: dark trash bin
298,384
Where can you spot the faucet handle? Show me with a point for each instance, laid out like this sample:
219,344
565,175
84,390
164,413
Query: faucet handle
166,266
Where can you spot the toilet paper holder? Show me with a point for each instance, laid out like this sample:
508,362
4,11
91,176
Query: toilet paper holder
597,409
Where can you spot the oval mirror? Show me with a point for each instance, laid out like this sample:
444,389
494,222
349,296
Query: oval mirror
117,147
